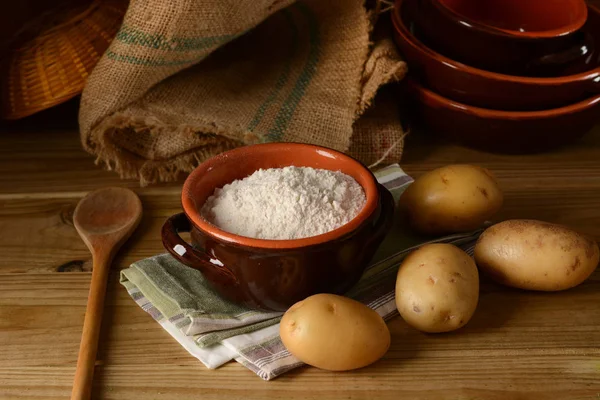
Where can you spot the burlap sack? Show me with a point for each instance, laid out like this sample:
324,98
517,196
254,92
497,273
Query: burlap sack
157,104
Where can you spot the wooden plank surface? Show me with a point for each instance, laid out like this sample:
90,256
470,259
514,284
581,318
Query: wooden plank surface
519,345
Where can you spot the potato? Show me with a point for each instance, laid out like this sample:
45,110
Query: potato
437,288
536,255
454,198
334,333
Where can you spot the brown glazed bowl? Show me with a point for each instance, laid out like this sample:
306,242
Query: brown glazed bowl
520,19
482,88
509,36
500,131
275,274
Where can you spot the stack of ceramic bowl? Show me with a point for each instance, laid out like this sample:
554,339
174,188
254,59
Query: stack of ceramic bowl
503,75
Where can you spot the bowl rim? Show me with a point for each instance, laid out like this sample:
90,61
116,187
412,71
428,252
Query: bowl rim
401,29
503,114
509,33
192,211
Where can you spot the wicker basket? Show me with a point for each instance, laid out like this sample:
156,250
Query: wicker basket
50,60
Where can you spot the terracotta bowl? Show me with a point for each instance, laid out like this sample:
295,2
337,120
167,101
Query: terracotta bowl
488,89
275,274
527,19
511,36
501,131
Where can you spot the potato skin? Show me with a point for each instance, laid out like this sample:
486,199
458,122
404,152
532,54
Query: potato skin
536,255
334,333
437,288
454,198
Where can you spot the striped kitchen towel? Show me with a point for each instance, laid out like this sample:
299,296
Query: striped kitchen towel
216,331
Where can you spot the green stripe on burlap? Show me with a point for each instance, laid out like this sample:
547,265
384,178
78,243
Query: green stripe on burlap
133,36
151,62
291,102
285,73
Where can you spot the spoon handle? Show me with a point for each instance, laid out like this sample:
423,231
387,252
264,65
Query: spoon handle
82,385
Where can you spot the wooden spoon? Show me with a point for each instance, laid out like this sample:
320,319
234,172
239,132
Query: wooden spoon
104,219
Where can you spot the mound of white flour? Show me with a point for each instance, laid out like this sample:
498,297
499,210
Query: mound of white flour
285,203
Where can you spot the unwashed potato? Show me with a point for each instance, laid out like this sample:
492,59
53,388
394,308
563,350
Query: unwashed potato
437,288
334,333
536,255
454,198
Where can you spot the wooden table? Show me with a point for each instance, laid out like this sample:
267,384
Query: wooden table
519,345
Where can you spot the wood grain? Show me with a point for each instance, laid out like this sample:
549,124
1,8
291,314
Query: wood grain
519,345
515,341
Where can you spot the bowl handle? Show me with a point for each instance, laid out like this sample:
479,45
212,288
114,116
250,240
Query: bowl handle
192,257
386,215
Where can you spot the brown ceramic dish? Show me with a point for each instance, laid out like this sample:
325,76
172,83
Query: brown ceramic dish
527,19
488,89
510,36
501,131
274,274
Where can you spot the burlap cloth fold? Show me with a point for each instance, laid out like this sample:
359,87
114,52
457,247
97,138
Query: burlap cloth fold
186,79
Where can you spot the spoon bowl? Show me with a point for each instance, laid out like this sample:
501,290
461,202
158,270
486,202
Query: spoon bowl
107,211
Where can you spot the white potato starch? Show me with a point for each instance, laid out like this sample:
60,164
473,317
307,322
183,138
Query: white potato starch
285,203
